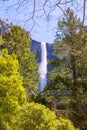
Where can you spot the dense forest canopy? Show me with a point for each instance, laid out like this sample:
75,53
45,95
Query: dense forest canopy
68,79
17,111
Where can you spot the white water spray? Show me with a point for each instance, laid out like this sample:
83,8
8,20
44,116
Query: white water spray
43,66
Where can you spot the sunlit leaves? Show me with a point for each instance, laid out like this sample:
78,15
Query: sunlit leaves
35,116
12,93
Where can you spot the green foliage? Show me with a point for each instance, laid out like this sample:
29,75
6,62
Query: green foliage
65,124
17,67
1,41
15,112
69,23
17,40
28,70
70,74
71,54
12,93
35,116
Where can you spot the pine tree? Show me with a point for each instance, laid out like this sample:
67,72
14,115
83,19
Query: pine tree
70,73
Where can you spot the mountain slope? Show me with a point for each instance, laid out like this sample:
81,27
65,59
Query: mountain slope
4,25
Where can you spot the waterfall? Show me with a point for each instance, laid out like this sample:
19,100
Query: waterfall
43,66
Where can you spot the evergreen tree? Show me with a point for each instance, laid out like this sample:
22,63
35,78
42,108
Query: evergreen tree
17,40
70,73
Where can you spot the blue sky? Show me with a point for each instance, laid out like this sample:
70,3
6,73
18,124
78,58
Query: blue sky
44,28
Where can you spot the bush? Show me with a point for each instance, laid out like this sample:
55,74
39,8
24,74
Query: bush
35,116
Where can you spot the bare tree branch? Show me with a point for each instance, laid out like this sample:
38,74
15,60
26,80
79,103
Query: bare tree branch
46,7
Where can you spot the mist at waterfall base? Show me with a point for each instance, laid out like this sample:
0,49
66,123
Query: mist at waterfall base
43,67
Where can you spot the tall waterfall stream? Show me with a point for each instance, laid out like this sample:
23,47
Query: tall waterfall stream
43,66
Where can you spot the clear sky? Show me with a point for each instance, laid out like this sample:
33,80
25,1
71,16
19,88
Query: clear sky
44,29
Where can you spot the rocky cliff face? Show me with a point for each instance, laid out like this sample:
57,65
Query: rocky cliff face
4,25
36,46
